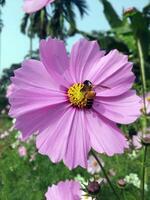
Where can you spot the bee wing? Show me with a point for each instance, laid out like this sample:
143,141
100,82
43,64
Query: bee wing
101,87
84,89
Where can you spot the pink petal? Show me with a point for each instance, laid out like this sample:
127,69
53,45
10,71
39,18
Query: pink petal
121,109
112,74
72,144
83,55
31,99
54,57
33,74
40,119
68,190
79,142
31,6
105,137
118,83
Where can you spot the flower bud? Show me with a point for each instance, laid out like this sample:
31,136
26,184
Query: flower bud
93,187
146,140
121,183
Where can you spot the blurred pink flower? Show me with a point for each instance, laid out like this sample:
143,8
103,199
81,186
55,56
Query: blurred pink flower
31,6
22,151
10,89
68,190
147,101
136,141
51,98
93,166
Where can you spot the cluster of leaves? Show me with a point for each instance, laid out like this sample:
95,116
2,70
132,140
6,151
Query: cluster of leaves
2,2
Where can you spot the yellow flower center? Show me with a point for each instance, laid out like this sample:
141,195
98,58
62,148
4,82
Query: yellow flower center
76,96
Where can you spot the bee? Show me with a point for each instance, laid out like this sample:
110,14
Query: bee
88,90
89,93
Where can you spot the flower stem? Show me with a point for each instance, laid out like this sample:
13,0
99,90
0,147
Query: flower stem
106,176
143,173
142,66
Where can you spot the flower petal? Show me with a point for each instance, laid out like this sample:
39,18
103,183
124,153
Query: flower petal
78,144
68,190
105,137
118,83
33,74
39,120
27,100
31,6
54,56
72,145
112,74
122,109
83,55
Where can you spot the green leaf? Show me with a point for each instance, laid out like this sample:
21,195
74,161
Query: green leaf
140,29
111,15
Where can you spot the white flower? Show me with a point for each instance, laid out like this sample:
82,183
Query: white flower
133,179
3,135
84,196
93,166
81,180
133,155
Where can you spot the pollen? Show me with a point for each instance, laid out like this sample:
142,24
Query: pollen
148,99
76,96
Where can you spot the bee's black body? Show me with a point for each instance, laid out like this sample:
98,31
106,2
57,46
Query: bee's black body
88,89
89,103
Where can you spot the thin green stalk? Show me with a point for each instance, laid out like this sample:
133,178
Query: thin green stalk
143,173
142,66
123,194
106,176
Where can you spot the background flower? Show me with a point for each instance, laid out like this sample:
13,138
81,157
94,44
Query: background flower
31,6
69,190
93,166
22,151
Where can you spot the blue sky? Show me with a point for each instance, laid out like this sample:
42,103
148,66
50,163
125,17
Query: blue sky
15,45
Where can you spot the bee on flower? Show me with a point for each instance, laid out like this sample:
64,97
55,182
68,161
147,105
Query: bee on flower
51,98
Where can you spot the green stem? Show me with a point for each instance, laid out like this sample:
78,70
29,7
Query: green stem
123,194
143,174
106,176
142,66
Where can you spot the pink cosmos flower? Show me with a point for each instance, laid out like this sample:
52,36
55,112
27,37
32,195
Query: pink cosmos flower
69,190
31,6
22,151
53,98
136,141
